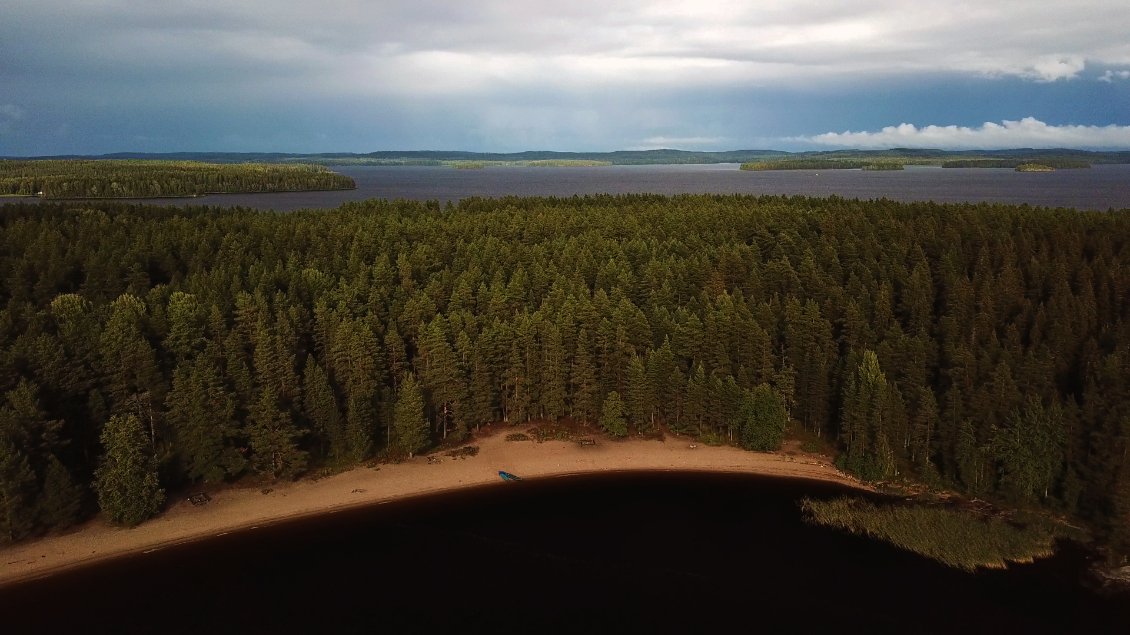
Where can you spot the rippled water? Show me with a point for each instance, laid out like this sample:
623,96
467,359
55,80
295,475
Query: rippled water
1099,188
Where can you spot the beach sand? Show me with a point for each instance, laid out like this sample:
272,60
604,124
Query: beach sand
237,508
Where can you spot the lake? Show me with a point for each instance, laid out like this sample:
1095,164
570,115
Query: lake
687,552
1099,188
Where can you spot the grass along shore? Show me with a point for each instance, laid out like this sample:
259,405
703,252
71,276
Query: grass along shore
248,506
959,538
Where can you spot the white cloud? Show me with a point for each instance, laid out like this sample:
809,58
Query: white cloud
1052,67
1110,76
1026,133
398,45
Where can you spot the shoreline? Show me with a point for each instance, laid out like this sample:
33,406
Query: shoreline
249,507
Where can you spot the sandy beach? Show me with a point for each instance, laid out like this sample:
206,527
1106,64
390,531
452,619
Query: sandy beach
233,509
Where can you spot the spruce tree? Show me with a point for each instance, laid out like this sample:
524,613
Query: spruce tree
583,379
274,439
641,395
411,427
319,406
60,503
17,487
762,419
202,416
612,417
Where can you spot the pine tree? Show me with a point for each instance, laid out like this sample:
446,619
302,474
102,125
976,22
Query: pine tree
61,501
641,395
866,417
411,427
762,419
612,418
274,439
482,387
17,487
583,379
662,372
553,372
126,481
810,349
186,325
202,416
359,418
319,406
1030,450
697,402
129,365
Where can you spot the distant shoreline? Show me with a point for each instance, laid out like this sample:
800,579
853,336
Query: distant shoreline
247,507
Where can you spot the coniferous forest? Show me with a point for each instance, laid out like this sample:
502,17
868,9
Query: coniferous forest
146,349
91,179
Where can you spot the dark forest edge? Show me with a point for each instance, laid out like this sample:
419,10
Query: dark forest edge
984,348
135,178
904,156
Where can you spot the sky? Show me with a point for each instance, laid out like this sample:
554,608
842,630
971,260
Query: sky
99,76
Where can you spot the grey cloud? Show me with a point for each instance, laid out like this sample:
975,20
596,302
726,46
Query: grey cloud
502,72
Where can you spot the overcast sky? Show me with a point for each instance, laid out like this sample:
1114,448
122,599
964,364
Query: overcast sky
93,76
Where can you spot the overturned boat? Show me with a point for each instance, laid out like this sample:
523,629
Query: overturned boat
507,476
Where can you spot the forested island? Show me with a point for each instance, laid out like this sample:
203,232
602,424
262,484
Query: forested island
140,178
824,164
984,348
543,163
1047,162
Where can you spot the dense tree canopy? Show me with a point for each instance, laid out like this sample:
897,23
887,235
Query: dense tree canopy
984,346
104,178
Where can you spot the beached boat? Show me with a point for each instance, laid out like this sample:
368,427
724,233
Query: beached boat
507,476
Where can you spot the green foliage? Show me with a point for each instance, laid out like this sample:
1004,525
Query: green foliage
274,439
61,502
867,418
201,414
960,539
612,416
126,481
17,483
762,419
411,427
1030,450
1051,162
529,308
810,164
108,178
321,410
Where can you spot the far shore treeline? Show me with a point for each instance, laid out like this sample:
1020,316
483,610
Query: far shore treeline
149,349
103,178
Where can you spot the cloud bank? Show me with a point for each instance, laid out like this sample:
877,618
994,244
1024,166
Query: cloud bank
1026,133
496,74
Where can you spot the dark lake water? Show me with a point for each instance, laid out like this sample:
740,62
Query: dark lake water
1099,188
632,552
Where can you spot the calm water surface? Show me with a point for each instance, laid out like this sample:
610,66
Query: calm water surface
661,552
1099,188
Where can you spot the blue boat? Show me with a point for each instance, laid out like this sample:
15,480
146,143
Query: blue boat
507,476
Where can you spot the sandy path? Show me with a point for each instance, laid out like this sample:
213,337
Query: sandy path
239,508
